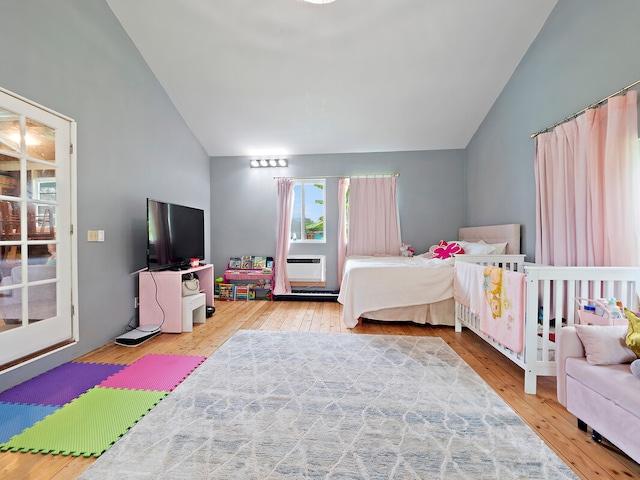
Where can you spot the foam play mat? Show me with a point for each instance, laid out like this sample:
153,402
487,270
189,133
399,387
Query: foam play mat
87,426
61,384
154,372
82,409
14,418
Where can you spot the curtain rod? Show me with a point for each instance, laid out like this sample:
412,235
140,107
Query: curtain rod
593,105
343,176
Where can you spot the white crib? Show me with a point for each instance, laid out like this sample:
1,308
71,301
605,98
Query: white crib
551,294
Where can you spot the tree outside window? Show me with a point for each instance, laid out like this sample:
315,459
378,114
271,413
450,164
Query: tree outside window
307,219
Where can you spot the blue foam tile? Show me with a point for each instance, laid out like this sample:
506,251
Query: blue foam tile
15,417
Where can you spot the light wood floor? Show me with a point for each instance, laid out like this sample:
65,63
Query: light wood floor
541,412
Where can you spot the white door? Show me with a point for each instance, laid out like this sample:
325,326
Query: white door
35,229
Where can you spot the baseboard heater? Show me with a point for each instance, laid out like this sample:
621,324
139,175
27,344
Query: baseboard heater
307,270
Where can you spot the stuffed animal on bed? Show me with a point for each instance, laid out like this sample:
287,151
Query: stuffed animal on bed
406,250
445,250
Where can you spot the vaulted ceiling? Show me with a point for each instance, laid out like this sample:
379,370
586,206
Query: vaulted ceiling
255,77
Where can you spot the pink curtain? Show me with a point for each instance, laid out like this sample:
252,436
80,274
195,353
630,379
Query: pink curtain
374,223
343,186
285,207
588,182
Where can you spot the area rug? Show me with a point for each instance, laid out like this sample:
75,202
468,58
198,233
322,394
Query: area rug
278,405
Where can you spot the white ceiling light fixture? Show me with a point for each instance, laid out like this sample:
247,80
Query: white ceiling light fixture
268,162
318,1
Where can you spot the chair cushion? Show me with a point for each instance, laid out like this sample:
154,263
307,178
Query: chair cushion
615,382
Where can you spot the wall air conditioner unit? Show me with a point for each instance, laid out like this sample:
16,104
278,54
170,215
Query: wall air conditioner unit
307,270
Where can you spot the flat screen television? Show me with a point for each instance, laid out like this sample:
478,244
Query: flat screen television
175,235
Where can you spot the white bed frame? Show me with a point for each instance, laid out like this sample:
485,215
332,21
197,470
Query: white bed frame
555,289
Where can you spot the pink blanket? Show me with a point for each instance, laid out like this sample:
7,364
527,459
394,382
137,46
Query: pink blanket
497,297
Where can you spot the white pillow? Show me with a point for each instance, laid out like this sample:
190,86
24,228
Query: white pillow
479,248
501,248
605,345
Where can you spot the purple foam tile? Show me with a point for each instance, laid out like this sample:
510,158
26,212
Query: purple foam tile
61,384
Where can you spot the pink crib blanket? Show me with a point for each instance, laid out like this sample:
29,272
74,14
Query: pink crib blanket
497,297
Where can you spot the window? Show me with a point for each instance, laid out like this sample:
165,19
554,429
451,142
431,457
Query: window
45,189
307,219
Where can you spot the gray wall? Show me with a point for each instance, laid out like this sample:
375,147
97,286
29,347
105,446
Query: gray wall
244,201
74,57
588,49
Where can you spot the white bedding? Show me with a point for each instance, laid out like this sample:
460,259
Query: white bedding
391,282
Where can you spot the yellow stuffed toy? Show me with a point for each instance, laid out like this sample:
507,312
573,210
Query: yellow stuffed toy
633,333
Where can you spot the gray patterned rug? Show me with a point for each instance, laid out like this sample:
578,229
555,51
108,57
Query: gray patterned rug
277,405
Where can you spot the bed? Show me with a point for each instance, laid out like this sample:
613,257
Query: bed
416,289
550,302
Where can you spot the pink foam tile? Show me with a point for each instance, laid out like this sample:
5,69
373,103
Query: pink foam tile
154,372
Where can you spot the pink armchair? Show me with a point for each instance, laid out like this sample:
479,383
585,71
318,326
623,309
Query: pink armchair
604,397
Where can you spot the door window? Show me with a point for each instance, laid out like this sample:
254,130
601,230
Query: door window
35,229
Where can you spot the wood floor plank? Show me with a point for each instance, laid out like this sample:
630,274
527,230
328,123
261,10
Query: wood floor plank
316,324
542,412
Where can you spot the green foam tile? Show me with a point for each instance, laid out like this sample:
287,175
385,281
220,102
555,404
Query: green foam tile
88,425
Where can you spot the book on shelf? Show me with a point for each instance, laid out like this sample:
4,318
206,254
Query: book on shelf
247,261
259,262
235,262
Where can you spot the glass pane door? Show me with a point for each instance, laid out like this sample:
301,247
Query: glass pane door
35,259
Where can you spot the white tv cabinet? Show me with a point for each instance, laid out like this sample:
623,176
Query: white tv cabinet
160,295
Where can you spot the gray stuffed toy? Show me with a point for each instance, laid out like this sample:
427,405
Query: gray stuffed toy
635,367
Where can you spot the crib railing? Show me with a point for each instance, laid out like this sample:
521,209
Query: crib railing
551,294
513,262
551,302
